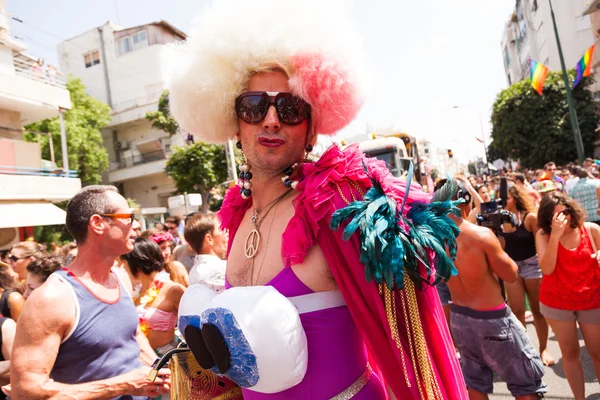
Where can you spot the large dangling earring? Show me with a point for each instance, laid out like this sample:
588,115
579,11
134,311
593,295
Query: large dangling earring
308,149
245,175
287,180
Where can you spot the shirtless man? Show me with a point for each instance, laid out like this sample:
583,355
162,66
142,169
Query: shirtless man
489,337
76,337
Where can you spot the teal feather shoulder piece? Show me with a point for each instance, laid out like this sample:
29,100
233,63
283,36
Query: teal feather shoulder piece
393,245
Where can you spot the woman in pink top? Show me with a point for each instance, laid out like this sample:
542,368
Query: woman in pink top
159,296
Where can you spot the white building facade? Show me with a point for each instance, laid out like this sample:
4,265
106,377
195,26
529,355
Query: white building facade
29,92
529,35
121,67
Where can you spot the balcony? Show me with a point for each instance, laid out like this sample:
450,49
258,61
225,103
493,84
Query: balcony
24,176
144,163
134,109
35,92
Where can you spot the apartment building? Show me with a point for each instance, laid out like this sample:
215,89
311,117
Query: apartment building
29,92
121,66
529,34
434,157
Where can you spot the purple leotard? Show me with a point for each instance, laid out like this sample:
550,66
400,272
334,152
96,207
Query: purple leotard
337,355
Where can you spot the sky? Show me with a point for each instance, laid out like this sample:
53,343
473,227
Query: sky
424,57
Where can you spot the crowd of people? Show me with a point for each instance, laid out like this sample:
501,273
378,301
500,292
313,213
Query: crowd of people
546,257
553,240
327,291
154,278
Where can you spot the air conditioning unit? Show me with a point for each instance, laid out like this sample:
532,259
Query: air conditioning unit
122,145
8,237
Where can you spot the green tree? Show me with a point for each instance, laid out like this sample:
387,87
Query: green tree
49,234
472,168
83,124
195,168
198,168
535,129
162,118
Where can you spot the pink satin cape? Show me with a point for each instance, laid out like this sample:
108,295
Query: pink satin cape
318,198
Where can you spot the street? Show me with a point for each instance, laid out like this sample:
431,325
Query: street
558,388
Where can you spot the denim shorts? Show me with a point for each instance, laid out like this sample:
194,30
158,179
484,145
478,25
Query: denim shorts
530,268
496,342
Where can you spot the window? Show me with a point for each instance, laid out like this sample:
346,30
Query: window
506,58
133,42
92,58
521,28
140,40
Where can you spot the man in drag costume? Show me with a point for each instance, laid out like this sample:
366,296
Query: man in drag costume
331,264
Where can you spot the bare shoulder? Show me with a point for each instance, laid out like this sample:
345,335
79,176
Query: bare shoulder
471,231
15,297
8,327
175,289
541,236
178,265
594,228
531,217
50,301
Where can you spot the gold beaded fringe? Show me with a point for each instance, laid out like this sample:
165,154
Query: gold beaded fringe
417,345
419,354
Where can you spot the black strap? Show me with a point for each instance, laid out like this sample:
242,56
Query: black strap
2,320
4,306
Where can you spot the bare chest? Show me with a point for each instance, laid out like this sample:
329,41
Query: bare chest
571,241
268,262
255,256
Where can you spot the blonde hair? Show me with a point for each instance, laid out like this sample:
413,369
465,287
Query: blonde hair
272,66
30,249
523,202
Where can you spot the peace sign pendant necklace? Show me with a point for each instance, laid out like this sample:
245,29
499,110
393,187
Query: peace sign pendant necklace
253,239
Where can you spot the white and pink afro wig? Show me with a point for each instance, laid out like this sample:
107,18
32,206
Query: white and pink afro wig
312,40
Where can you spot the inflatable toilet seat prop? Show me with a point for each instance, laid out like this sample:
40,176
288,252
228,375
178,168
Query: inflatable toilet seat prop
252,335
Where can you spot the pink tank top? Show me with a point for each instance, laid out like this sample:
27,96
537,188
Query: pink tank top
337,355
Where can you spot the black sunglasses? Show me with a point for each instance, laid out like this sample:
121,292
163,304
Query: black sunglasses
14,258
252,107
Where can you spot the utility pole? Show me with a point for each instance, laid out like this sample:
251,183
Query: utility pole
572,112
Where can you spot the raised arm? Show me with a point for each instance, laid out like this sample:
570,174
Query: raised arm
47,315
500,263
547,245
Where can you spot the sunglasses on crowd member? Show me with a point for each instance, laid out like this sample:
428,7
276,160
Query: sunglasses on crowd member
565,212
252,107
14,258
129,218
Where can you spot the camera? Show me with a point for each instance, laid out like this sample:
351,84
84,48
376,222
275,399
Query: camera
493,216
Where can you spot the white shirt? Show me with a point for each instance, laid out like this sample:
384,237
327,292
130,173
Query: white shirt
209,270
571,182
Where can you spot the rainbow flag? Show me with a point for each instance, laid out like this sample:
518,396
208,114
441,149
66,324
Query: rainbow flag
584,66
539,72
